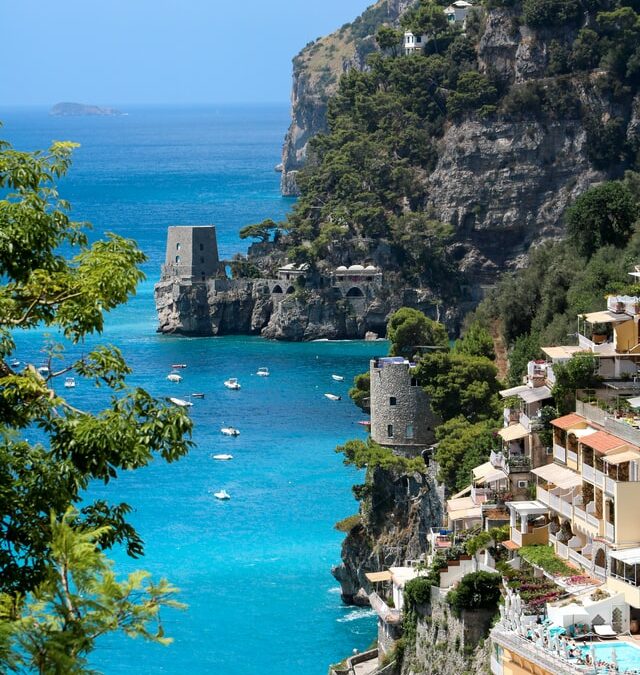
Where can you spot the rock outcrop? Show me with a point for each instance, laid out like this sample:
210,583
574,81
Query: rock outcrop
316,71
396,516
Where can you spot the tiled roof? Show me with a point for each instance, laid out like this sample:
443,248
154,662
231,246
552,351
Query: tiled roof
567,421
602,442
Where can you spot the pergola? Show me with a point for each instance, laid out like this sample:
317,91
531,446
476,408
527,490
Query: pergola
626,565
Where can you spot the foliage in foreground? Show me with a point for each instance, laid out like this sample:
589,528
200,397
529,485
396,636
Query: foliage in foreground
54,629
51,276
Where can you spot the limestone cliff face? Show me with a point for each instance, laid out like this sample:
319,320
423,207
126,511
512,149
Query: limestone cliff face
316,71
225,307
395,520
503,181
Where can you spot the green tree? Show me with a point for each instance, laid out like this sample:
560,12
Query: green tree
261,231
603,215
389,39
460,385
409,328
54,629
473,92
543,13
525,348
426,18
40,286
476,341
370,455
461,447
361,391
579,372
478,590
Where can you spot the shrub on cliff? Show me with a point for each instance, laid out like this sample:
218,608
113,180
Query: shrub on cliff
360,393
409,329
370,455
478,590
544,13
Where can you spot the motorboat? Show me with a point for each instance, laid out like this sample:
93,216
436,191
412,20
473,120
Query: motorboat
70,382
176,366
333,397
197,395
337,378
222,494
230,431
174,377
44,371
180,402
263,372
232,383
15,363
223,458
365,423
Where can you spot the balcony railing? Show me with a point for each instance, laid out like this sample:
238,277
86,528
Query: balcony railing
588,473
559,453
543,495
539,535
562,550
579,559
600,572
572,456
593,521
519,463
599,479
610,531
566,509
609,485
525,421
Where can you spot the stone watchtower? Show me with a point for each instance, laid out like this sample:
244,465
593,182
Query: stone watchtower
192,253
401,416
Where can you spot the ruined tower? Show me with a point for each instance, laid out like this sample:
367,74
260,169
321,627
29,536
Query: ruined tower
192,253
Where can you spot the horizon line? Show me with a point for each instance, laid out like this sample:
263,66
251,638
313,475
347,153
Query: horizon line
145,103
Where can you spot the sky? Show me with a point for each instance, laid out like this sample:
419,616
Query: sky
110,52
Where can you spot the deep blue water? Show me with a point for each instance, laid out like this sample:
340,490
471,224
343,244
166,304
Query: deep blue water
255,570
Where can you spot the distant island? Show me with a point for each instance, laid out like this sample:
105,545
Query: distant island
75,109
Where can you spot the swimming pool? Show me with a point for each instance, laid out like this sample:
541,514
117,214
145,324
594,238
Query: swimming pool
626,654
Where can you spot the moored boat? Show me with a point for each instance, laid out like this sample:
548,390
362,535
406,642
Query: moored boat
70,382
199,395
180,402
179,365
230,431
338,378
333,397
44,371
174,377
232,383
263,372
222,494
223,457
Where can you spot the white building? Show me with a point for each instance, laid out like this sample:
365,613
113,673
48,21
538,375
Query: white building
457,11
414,44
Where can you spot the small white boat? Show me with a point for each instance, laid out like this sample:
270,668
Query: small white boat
180,402
43,370
223,458
333,397
70,382
15,363
263,372
175,366
337,378
199,395
174,377
222,494
230,431
232,383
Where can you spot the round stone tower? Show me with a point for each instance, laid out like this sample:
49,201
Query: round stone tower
192,253
401,416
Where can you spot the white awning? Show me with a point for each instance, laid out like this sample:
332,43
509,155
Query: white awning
513,432
579,432
493,476
634,402
376,577
535,394
605,317
529,508
482,470
627,456
467,514
630,556
514,391
563,478
463,492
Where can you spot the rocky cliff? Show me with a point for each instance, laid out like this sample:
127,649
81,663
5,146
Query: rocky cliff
396,514
226,307
316,71
503,178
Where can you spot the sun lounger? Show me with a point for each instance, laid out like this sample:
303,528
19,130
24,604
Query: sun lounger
605,632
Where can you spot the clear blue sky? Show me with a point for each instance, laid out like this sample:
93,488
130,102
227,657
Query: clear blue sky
158,51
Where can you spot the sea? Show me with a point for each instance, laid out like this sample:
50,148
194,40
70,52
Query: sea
254,571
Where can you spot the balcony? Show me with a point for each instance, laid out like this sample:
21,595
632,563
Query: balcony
609,485
525,421
589,473
542,495
518,464
572,457
559,453
539,535
610,531
606,347
579,559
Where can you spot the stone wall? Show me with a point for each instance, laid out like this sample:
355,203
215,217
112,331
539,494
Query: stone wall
192,253
398,404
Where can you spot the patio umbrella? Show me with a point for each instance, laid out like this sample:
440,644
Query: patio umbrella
614,660
570,614
593,659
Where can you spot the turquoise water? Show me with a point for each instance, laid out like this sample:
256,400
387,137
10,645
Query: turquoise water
255,571
627,656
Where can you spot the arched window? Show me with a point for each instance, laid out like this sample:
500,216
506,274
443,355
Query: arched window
177,259
355,292
290,290
277,289
178,246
